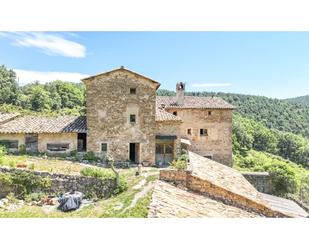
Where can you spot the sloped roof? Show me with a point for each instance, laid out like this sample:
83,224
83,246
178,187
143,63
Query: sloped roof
125,70
169,201
39,124
5,117
162,115
194,102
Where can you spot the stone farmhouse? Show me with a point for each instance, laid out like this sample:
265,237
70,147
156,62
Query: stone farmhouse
126,119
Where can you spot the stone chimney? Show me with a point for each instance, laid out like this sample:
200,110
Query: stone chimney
180,93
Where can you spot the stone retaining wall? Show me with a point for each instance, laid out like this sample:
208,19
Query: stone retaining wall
194,183
260,180
61,183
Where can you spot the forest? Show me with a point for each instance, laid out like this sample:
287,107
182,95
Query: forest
268,134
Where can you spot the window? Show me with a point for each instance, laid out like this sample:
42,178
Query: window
209,113
104,147
203,132
189,132
58,147
175,113
132,90
132,118
9,144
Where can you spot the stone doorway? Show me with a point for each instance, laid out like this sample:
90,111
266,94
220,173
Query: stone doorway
134,151
164,152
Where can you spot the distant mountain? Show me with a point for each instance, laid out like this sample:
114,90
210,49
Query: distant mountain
273,113
303,100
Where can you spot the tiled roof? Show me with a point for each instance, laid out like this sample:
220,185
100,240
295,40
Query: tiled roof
162,115
169,201
194,102
4,117
37,124
123,70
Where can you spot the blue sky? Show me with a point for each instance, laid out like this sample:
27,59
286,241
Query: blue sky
274,64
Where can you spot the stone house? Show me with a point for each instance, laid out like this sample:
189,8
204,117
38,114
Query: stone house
126,119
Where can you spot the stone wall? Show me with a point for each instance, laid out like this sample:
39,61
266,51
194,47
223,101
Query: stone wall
109,105
20,137
260,180
194,183
218,143
46,138
61,183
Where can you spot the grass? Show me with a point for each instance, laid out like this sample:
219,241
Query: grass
113,207
41,164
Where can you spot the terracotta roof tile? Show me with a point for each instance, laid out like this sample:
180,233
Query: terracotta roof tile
162,115
37,124
5,117
194,102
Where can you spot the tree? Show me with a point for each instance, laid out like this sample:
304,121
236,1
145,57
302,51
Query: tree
9,89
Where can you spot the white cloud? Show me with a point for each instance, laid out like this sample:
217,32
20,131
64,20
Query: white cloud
51,44
209,85
25,76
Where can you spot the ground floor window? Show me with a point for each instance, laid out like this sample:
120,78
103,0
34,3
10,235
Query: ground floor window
203,132
104,147
10,144
58,147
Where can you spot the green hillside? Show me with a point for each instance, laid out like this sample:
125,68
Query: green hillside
303,100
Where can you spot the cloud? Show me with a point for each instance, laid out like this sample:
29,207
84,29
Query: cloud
25,76
50,44
210,85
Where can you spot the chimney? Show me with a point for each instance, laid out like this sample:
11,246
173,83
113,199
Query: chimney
180,93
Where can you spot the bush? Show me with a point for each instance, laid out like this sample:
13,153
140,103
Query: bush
25,182
179,164
98,173
91,157
122,186
106,174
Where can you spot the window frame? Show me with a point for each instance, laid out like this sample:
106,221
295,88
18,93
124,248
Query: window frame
202,133
101,149
132,115
60,145
132,90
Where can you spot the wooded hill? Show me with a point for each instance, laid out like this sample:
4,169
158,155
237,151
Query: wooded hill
302,100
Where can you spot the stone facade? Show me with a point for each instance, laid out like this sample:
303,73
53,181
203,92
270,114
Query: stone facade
61,183
43,140
217,144
109,106
54,138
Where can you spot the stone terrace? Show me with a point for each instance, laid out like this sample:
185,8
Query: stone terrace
208,188
170,201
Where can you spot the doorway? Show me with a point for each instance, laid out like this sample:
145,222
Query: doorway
134,152
164,152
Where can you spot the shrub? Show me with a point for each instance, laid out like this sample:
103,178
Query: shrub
91,157
122,186
22,149
98,173
179,164
26,182
106,174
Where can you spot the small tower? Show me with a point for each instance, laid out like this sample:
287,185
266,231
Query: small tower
180,93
